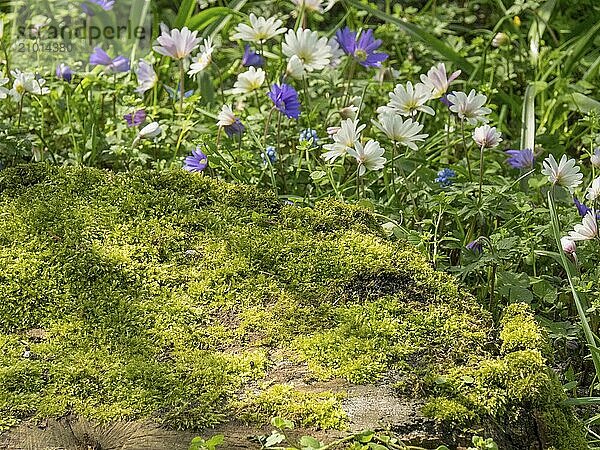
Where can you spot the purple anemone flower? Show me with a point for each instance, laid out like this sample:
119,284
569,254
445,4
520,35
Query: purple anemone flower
197,162
520,159
361,49
475,246
582,209
251,58
100,58
135,119
236,128
285,99
445,101
64,72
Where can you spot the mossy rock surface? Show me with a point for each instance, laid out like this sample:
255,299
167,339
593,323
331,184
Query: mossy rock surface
175,298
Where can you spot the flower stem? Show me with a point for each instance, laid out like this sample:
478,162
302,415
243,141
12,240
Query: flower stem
462,131
480,175
181,85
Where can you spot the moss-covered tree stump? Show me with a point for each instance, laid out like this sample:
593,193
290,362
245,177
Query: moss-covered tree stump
178,299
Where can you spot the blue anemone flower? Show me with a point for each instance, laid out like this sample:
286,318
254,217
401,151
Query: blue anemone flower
197,162
445,176
475,246
361,49
285,99
251,58
64,72
520,159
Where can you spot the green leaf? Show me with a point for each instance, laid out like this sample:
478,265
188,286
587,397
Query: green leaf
430,40
282,424
205,18
274,439
310,443
185,11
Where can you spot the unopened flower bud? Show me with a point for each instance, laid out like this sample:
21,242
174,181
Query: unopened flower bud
500,40
595,158
568,245
349,112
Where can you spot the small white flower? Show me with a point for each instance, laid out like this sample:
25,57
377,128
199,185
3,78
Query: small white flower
593,192
403,132
226,116
146,76
408,100
150,131
500,40
314,52
295,67
595,158
25,82
177,44
469,107
3,90
568,245
249,81
203,59
566,173
259,30
437,80
369,157
344,139
309,5
588,229
486,136
349,112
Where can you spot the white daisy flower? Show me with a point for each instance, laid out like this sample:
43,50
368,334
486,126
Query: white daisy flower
295,67
566,173
203,59
437,80
469,107
369,157
249,81
587,230
25,82
404,132
408,100
177,44
344,139
259,30
226,116
314,52
593,192
486,136
309,5
146,76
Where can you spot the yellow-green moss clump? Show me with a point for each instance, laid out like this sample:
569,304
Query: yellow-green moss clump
163,296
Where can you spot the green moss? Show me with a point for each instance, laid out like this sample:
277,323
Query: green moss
496,390
320,410
164,295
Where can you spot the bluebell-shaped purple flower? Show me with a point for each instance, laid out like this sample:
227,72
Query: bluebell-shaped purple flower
135,119
445,177
361,49
251,58
583,209
64,72
520,159
285,99
197,162
100,58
